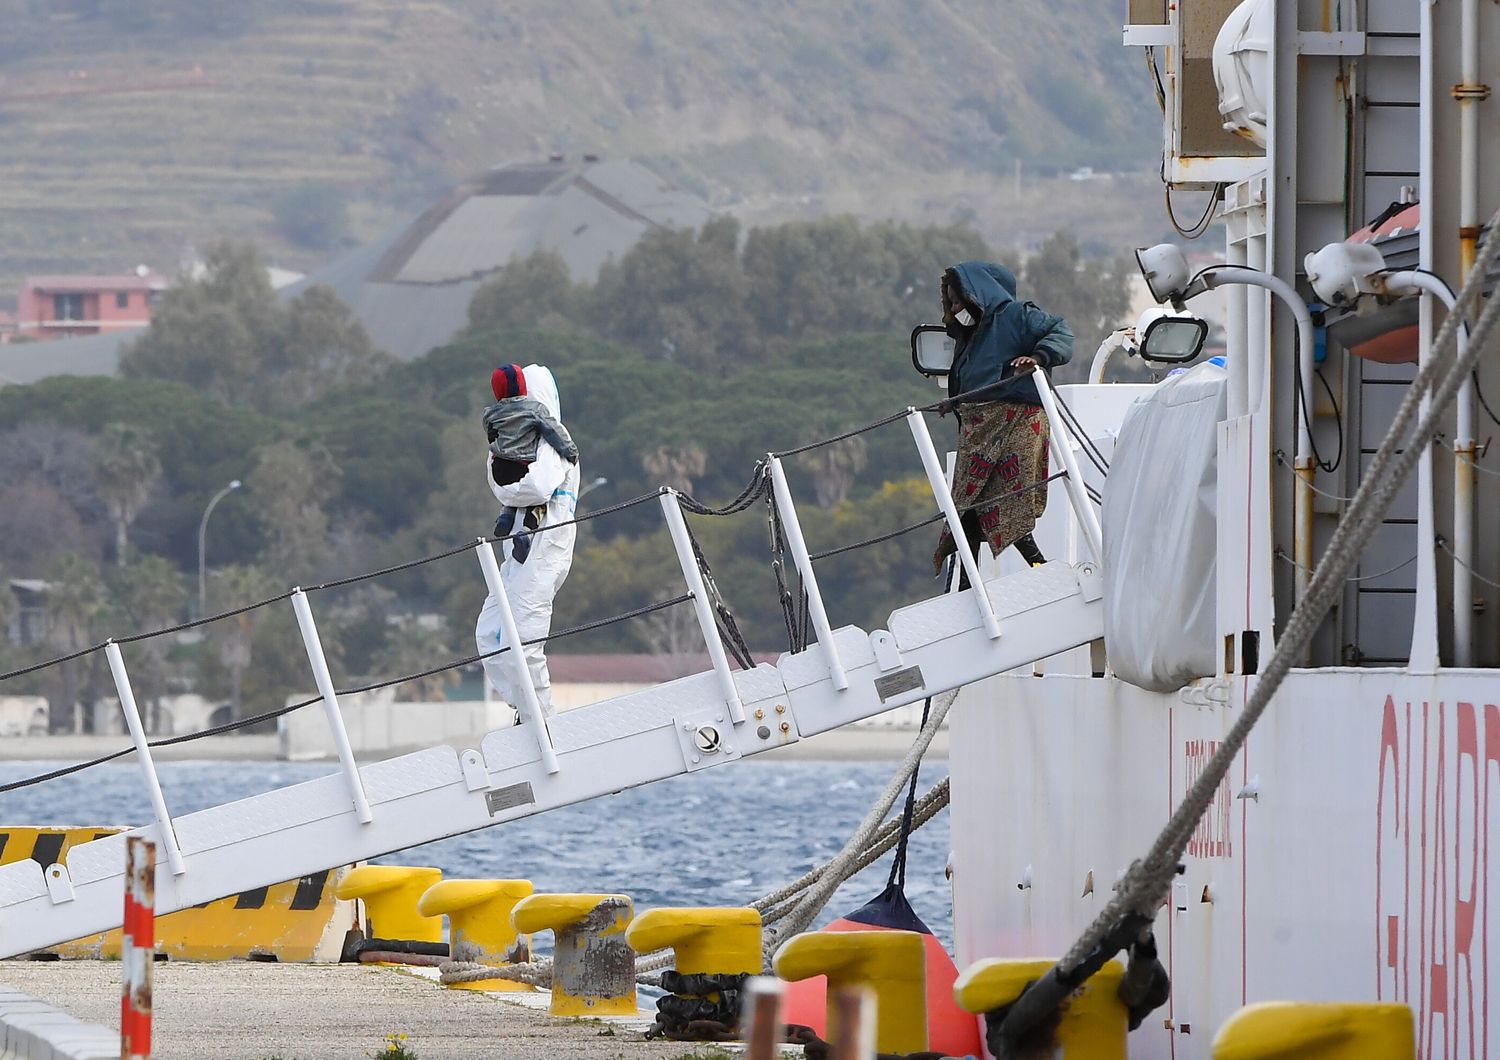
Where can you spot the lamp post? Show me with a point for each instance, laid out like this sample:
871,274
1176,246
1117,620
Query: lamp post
202,531
584,491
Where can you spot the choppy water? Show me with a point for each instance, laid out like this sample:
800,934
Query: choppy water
718,837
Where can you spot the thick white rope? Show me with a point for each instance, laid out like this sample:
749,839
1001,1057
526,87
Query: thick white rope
841,867
1148,881
774,906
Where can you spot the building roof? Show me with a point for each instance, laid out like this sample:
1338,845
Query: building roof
23,363
127,281
412,287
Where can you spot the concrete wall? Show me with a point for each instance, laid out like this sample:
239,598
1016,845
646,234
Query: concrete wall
23,715
377,723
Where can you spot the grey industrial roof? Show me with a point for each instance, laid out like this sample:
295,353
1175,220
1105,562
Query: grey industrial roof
27,362
411,287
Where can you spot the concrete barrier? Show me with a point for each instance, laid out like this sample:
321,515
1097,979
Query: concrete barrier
31,1030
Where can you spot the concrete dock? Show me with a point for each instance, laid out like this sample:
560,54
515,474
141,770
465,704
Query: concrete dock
237,1010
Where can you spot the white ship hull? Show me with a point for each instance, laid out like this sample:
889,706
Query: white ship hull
1357,866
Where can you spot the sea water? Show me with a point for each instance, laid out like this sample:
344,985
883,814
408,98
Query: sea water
720,836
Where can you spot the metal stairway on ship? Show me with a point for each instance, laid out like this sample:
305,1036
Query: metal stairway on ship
697,722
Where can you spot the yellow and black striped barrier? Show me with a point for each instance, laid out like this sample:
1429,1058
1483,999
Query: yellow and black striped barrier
298,921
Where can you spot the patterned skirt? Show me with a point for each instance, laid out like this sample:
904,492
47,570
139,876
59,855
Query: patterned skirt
1002,449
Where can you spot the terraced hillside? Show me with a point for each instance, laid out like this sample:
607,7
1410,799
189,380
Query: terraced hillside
134,128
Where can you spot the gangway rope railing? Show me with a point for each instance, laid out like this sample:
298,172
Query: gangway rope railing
1147,883
334,584
891,535
254,719
758,487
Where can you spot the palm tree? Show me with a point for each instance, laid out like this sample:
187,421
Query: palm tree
237,586
153,597
675,465
410,649
834,468
76,601
127,472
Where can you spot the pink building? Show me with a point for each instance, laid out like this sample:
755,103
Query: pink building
62,306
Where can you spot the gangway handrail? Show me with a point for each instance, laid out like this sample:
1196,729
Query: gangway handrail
768,477
798,546
1088,520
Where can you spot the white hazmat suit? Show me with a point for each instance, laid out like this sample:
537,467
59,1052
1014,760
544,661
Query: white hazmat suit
550,482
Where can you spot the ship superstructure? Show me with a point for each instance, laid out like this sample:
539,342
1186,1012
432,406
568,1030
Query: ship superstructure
1347,853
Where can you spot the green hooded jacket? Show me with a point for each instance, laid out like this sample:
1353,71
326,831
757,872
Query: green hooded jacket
1005,329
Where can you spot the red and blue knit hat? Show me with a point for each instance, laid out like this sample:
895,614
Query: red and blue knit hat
508,381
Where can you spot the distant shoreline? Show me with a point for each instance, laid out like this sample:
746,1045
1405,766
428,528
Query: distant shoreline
847,744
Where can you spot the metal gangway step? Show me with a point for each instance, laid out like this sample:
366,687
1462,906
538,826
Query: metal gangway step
698,722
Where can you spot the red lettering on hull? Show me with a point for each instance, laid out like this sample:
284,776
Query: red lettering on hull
1431,896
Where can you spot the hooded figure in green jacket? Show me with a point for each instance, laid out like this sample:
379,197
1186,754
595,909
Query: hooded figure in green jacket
999,482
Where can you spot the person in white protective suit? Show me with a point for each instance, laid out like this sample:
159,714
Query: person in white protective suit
1126,341
535,494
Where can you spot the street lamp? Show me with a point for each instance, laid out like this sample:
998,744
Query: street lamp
584,492
202,530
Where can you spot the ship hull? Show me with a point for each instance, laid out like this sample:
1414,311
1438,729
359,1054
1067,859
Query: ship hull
1346,856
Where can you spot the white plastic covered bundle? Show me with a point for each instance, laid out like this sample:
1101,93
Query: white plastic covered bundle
1160,534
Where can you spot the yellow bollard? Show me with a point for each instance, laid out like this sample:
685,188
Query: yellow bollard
1289,1030
706,941
593,967
892,963
479,927
1094,1024
391,894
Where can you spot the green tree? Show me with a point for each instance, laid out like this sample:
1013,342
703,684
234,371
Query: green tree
678,296
321,346
127,471
10,609
834,467
289,486
536,291
151,593
76,602
675,465
312,214
412,648
226,335
234,587
1093,294
209,331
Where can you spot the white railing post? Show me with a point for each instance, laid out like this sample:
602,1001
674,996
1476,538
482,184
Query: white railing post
944,496
324,679
800,556
530,707
143,754
1062,451
677,526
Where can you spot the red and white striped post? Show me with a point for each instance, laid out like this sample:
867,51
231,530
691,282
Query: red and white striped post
138,949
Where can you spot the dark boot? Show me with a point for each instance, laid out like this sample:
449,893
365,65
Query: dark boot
1026,546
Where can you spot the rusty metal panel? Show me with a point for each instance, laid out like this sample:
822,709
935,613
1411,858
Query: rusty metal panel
1147,12
1203,133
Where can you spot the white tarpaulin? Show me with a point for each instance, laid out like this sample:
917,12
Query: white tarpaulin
1160,534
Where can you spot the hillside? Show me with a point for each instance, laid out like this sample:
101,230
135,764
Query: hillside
133,131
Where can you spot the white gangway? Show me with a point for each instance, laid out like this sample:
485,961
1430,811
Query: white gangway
709,719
